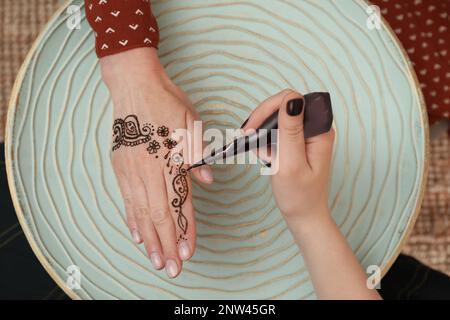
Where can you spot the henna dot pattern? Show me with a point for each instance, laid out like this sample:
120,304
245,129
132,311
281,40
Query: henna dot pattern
227,56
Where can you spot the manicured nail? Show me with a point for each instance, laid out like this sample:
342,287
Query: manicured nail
245,122
206,173
155,258
171,268
295,107
136,236
184,250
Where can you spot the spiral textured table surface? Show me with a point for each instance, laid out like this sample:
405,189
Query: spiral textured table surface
228,56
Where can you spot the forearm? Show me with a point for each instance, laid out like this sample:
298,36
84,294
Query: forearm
334,269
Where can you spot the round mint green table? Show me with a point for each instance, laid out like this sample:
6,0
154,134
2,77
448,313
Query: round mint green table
228,56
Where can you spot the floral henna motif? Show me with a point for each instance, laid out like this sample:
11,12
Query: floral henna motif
169,143
163,131
153,147
128,132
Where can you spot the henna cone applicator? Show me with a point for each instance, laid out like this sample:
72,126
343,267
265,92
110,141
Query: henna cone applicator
317,120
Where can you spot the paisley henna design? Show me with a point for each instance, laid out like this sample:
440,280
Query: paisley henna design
181,189
128,132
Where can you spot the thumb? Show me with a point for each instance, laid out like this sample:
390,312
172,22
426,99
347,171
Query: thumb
291,143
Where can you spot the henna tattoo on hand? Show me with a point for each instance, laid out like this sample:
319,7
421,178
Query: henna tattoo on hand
128,132
181,188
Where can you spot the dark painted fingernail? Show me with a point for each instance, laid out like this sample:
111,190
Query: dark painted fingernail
295,107
245,122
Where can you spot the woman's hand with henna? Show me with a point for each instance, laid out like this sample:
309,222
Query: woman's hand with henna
154,183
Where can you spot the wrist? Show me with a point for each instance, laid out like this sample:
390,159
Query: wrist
135,68
304,223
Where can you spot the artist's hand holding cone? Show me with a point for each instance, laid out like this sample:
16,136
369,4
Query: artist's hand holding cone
301,168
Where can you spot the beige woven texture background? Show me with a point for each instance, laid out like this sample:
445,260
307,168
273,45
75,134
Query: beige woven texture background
20,23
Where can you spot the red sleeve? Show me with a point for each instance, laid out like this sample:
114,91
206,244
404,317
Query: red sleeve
423,28
121,25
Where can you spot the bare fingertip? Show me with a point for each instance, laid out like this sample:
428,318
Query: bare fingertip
206,174
171,268
156,260
184,250
136,236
